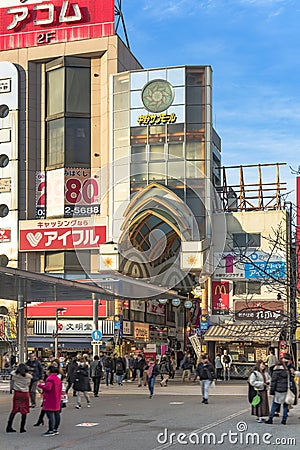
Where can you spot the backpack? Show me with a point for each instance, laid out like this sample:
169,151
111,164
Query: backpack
119,367
98,370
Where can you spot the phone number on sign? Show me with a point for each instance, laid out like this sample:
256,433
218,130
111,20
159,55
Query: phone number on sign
80,211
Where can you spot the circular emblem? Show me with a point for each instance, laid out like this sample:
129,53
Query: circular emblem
157,95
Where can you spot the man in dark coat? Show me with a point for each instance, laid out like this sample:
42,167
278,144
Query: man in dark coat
35,368
109,369
206,372
70,370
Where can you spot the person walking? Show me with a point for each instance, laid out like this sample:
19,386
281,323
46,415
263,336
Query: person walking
82,382
120,370
165,370
21,380
279,388
152,372
96,372
271,361
52,389
109,370
218,366
260,380
187,366
206,373
5,365
71,368
36,370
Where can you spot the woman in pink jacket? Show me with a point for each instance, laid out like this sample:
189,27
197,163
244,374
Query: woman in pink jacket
51,399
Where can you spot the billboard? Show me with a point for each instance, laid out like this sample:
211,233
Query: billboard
62,234
31,23
261,310
72,308
220,297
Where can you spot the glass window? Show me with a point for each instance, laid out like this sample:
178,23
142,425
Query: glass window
121,101
157,74
78,142
252,240
157,171
195,150
54,261
55,92
121,119
55,142
179,111
135,99
138,135
195,77
239,287
175,150
195,169
156,152
138,154
78,90
176,170
138,79
194,95
176,76
121,152
254,287
138,172
157,134
121,137
121,83
175,132
135,114
179,96
194,114
77,262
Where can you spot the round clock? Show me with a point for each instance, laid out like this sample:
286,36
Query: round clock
157,95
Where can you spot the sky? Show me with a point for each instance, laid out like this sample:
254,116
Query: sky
253,47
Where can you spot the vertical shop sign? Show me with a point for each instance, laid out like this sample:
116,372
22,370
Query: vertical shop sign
220,297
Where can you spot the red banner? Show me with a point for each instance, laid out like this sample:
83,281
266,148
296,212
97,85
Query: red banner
68,238
73,308
29,23
220,297
5,234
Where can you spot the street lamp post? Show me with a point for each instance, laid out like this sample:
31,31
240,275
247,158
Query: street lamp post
56,331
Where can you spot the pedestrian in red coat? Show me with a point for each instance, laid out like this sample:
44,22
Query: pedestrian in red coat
51,399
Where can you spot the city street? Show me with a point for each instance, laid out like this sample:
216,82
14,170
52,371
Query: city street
125,418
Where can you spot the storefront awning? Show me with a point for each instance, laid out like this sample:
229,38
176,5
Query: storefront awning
262,333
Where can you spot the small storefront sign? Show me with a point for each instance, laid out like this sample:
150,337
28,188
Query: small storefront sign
220,297
141,331
260,310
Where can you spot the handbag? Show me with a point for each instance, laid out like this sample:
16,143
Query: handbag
290,396
256,400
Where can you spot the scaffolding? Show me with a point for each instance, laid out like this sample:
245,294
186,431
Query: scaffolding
258,196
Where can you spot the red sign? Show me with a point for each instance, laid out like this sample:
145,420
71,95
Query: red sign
30,23
220,297
73,308
62,235
5,234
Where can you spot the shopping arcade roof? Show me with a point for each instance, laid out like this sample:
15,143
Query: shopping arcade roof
39,287
243,332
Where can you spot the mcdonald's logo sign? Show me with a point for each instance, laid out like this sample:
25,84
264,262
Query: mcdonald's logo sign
220,297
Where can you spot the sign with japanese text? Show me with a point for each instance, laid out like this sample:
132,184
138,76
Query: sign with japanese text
71,308
5,185
141,331
255,265
29,23
262,310
40,200
220,297
156,119
154,307
82,193
71,326
61,234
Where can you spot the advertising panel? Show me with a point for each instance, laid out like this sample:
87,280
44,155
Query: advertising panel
262,310
141,331
82,193
153,307
40,198
29,23
5,234
220,297
61,234
72,308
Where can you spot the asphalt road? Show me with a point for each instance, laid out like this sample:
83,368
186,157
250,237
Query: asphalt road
125,418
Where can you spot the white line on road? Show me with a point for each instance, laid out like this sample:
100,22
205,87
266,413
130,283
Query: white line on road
206,427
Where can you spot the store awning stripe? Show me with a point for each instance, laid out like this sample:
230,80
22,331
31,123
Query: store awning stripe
242,333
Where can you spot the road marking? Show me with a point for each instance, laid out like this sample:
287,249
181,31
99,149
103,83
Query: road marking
176,403
206,427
